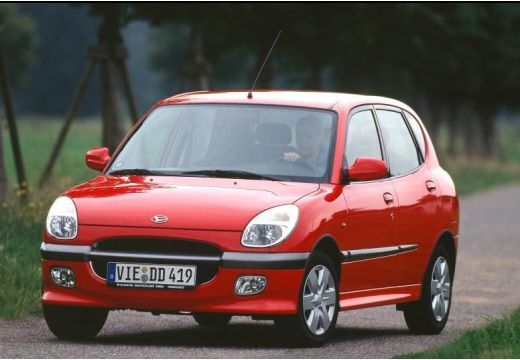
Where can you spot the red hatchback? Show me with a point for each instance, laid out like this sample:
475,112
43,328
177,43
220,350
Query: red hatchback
288,206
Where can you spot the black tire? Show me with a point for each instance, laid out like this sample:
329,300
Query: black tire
419,315
295,327
74,323
212,320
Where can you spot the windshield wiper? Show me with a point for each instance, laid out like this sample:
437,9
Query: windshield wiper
230,174
136,172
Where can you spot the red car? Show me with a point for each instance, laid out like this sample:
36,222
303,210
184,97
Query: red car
288,206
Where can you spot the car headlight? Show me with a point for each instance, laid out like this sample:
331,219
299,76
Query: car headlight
271,226
62,220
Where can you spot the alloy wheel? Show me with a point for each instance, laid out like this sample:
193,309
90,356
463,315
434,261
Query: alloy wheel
440,289
319,300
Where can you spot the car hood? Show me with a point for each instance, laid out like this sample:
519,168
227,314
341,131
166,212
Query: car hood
188,203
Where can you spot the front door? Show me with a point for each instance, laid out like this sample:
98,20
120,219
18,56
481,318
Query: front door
371,236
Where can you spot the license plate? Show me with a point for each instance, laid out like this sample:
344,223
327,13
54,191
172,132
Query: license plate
151,276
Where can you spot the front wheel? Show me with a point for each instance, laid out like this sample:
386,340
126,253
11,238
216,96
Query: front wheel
318,304
74,323
429,314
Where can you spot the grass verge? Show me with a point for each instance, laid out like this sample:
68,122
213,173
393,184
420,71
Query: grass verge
497,339
37,137
21,225
20,234
474,176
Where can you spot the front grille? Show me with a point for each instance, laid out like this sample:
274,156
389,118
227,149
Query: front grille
155,249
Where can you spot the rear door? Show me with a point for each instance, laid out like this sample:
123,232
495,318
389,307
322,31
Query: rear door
416,192
371,228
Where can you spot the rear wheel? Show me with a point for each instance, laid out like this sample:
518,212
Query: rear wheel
430,313
318,304
74,323
212,320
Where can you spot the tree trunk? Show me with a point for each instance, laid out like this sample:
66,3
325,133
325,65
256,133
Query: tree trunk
469,122
201,63
489,142
109,39
69,117
3,170
7,98
453,130
196,74
432,118
111,111
313,81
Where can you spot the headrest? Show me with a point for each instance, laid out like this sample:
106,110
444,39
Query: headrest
273,133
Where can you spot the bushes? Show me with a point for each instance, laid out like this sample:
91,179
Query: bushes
20,274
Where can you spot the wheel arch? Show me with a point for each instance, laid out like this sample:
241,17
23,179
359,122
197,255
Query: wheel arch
329,246
448,240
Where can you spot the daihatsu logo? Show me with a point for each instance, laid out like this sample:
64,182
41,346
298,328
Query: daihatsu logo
159,219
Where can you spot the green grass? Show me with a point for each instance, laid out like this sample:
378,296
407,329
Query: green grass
20,237
498,339
21,225
474,176
37,137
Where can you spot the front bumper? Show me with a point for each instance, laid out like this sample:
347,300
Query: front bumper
284,273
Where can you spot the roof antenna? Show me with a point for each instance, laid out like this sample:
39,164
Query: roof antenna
250,94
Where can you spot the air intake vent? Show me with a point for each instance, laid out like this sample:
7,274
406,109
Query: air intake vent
125,250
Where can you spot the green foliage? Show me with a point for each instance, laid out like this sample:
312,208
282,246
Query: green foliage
473,176
476,174
498,339
21,225
449,53
64,33
19,39
20,238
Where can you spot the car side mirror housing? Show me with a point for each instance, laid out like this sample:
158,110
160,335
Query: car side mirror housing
97,158
367,169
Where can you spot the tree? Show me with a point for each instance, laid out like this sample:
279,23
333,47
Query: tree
18,40
188,42
447,59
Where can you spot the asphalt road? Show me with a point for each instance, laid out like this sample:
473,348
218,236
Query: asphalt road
487,285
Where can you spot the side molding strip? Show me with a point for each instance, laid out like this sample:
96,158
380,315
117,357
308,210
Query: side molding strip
252,260
373,253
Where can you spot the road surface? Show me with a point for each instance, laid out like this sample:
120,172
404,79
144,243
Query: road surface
487,285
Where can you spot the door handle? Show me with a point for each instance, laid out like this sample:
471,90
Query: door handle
430,185
388,198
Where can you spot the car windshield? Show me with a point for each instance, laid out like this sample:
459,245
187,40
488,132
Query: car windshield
236,141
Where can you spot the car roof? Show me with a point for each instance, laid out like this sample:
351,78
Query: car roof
312,99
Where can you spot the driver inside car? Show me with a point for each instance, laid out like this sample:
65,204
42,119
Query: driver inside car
309,136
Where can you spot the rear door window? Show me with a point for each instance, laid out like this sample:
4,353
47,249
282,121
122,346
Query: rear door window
417,131
399,145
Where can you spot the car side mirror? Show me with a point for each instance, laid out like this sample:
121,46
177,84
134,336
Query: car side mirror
97,158
366,169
